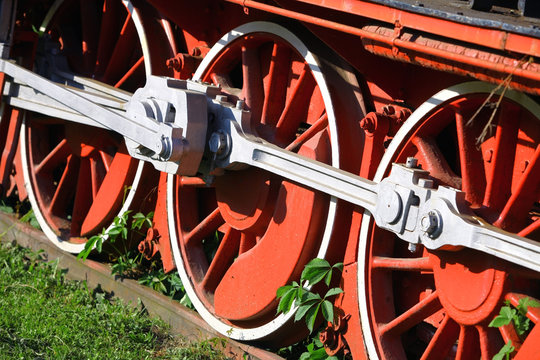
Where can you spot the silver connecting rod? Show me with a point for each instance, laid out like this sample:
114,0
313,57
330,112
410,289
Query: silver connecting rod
404,203
305,171
143,131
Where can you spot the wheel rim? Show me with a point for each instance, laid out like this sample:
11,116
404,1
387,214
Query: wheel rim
78,177
439,303
252,227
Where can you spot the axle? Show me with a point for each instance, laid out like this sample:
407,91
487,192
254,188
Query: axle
189,128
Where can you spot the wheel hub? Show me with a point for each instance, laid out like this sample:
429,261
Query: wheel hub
245,199
470,287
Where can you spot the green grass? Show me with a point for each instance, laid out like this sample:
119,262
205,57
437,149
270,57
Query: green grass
44,316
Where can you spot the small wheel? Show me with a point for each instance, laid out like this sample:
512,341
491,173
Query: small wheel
78,178
438,304
236,242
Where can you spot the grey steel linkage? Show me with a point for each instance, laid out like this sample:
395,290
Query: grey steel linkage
182,116
405,202
143,131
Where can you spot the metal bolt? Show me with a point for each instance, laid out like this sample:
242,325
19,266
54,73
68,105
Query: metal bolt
412,162
218,143
412,247
368,124
488,155
524,166
429,222
240,104
328,337
221,98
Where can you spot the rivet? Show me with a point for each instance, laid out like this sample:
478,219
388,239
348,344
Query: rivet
488,155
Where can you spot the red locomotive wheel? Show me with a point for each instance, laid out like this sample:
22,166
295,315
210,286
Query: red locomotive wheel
79,177
438,304
237,241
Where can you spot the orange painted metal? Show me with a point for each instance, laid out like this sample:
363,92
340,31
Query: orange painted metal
492,38
531,347
440,297
347,303
9,135
157,238
475,35
456,58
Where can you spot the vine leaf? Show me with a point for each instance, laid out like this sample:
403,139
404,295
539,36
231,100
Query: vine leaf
505,351
505,316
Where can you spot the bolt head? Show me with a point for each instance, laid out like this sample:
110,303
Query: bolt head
412,247
412,162
221,98
218,143
429,223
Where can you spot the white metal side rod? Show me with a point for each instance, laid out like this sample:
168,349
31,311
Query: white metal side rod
404,203
146,134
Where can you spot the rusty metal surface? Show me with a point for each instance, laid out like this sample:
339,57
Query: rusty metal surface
182,320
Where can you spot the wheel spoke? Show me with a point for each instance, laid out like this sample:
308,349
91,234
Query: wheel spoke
205,228
106,159
64,190
296,106
95,177
225,254
432,158
130,72
402,264
499,187
531,228
89,20
514,213
276,89
314,129
247,241
426,307
473,178
83,197
468,344
253,89
54,158
533,313
508,333
490,341
123,46
443,340
108,34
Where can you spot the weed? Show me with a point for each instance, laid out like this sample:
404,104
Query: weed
128,263
183,349
309,304
518,317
